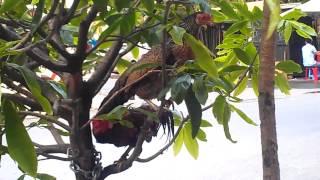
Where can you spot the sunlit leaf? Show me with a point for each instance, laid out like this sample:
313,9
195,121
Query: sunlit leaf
205,123
203,55
20,146
281,82
190,142
287,32
177,145
294,14
242,86
226,119
289,66
135,52
236,27
242,56
218,108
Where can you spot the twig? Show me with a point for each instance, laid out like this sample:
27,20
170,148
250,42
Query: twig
47,118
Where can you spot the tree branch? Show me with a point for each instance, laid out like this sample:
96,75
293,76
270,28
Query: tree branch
104,69
53,149
83,32
35,106
36,54
47,118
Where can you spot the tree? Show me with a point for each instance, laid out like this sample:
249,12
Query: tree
92,38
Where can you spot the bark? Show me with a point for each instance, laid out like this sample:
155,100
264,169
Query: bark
269,143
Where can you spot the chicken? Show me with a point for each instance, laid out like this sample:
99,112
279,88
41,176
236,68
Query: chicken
147,84
113,132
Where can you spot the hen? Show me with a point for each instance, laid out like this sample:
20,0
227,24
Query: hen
146,83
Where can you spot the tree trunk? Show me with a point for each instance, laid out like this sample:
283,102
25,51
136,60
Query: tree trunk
271,170
80,139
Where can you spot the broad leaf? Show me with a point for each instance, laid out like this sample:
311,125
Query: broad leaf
135,52
243,115
242,56
8,5
228,10
281,82
294,14
177,34
205,123
42,176
226,119
287,32
202,55
289,66
20,146
200,89
149,5
218,108
190,142
242,86
179,88
34,86
236,27
178,143
195,112
202,135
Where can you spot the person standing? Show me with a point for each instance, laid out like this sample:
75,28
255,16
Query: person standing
308,54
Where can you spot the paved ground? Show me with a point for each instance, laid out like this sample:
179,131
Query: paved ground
298,135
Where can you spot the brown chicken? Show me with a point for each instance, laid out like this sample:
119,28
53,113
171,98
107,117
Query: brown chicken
145,83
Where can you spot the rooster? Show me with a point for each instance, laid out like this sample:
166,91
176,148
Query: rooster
145,83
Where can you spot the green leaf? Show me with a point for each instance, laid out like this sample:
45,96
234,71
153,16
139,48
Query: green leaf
255,83
200,89
195,111
177,145
116,113
38,14
218,108
202,135
287,32
242,86
42,176
112,27
180,87
8,5
190,142
202,55
294,14
34,86
227,9
120,4
274,6
135,52
303,28
232,68
127,23
20,146
242,56
59,88
288,66
149,5
122,66
177,34
236,27
281,82
226,119
205,123
243,115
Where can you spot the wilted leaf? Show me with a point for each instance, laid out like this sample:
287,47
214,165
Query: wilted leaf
20,146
